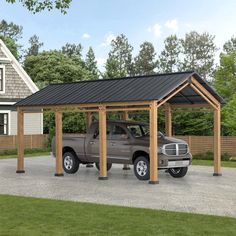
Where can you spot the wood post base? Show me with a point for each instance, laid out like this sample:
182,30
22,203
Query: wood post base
153,182
217,174
20,171
59,175
103,178
126,167
89,165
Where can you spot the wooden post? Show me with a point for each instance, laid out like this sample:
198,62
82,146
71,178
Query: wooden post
58,121
153,143
125,116
168,120
217,143
20,141
88,120
190,142
102,143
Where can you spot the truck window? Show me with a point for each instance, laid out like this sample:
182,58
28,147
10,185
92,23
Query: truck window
118,133
135,130
96,132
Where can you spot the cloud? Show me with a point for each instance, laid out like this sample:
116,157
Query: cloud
107,39
86,36
101,61
172,25
155,29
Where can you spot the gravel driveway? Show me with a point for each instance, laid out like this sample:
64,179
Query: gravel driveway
197,192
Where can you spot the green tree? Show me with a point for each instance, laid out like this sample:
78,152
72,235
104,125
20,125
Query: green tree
169,58
225,75
91,64
10,30
35,45
11,45
225,83
145,62
53,67
119,62
40,5
230,45
199,52
9,34
72,50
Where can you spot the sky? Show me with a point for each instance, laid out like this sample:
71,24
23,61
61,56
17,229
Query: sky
96,22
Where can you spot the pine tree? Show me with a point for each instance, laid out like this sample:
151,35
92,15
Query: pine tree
35,45
168,60
145,62
91,64
119,62
199,53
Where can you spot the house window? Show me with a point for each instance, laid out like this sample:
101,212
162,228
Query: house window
2,79
4,120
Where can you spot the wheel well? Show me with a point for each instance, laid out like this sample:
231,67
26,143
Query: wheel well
68,149
138,154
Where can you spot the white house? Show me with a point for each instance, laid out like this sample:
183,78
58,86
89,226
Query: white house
15,84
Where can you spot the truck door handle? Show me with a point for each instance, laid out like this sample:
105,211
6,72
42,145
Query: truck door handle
91,142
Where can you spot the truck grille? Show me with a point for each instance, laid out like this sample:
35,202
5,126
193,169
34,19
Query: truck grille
175,149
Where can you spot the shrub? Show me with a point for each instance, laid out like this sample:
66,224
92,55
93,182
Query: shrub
210,156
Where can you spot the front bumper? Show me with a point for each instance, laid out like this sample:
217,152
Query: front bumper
166,162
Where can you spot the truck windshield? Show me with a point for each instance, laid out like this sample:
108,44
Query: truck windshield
140,131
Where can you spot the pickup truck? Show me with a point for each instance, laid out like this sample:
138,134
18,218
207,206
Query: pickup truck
127,143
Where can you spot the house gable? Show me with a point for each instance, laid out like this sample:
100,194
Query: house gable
18,84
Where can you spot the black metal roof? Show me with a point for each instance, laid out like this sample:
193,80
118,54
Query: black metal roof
138,88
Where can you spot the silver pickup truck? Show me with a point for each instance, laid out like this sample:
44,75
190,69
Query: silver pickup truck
127,143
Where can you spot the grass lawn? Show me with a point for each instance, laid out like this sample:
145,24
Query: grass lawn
28,153
33,216
231,164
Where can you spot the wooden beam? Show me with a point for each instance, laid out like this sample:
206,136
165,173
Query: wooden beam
89,105
20,141
217,143
205,91
102,143
88,120
64,110
153,153
58,121
168,120
172,94
203,96
186,106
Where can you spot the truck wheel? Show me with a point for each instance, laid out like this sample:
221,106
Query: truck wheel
141,168
109,165
178,172
70,162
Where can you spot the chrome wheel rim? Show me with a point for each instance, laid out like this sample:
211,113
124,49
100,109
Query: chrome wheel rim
141,168
68,162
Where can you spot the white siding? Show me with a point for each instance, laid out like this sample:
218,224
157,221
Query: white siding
33,123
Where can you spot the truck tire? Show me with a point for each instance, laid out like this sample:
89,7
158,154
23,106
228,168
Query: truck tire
141,168
109,165
70,162
178,172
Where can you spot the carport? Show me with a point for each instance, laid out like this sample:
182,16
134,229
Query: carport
168,91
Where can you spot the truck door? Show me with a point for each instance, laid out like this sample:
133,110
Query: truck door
119,148
93,144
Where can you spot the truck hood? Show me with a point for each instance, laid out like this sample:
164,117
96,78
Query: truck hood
144,141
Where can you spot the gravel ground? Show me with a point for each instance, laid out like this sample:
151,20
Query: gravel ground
197,192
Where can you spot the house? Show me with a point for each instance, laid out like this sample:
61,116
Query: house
15,84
